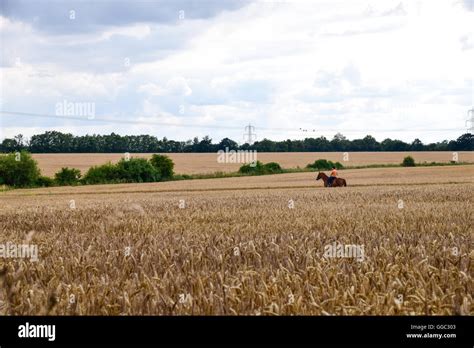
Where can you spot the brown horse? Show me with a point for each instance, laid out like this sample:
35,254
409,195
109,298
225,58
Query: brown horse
336,182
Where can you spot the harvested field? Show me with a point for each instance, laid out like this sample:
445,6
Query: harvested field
247,245
194,163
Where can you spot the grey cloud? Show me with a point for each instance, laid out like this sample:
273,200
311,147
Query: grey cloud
54,16
255,92
86,52
468,5
74,44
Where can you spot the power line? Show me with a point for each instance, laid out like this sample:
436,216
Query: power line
470,114
277,129
109,120
251,137
126,121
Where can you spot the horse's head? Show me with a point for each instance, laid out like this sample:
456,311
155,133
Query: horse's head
319,176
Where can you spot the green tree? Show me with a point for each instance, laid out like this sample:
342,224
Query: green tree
67,176
18,169
227,143
137,170
265,145
205,145
370,144
164,165
416,145
339,143
465,142
323,164
408,162
103,174
15,144
44,181
51,142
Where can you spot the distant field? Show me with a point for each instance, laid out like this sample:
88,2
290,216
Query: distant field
371,177
237,246
193,163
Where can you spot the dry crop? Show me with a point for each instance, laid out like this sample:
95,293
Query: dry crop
192,163
255,248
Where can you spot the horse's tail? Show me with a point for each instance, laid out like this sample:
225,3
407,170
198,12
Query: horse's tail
344,182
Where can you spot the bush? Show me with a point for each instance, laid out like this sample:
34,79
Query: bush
103,174
164,164
137,170
44,181
67,176
272,167
258,168
252,168
408,162
132,170
322,164
18,169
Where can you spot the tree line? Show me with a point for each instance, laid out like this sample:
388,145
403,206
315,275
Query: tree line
19,169
57,142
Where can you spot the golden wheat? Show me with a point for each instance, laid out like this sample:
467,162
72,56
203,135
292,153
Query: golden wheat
250,245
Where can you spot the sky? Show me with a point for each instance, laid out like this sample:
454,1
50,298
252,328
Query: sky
291,69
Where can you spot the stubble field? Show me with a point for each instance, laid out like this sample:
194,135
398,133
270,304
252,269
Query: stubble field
198,163
247,245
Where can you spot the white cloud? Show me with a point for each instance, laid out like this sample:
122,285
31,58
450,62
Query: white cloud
152,89
176,86
300,64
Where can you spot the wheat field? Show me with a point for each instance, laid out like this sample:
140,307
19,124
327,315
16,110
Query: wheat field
198,163
244,246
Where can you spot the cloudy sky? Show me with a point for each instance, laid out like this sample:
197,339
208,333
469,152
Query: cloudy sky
399,69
